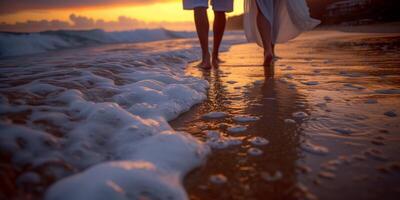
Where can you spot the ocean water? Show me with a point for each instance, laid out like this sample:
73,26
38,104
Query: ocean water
15,44
92,122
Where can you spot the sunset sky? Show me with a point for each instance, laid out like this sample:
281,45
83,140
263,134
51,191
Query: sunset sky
106,14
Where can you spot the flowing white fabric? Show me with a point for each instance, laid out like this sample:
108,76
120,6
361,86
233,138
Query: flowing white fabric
288,18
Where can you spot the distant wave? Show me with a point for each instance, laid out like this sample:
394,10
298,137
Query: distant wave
16,44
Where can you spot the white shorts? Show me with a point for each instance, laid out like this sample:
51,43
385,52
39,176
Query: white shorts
218,5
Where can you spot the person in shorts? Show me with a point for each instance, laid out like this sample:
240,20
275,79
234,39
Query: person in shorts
200,7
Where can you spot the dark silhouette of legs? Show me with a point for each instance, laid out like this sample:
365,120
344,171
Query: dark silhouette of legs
218,28
264,26
203,28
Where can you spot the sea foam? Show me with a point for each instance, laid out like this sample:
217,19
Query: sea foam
97,120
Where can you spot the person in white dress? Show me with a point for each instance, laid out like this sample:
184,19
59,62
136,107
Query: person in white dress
268,22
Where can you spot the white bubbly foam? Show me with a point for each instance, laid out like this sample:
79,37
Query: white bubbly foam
111,111
215,115
255,151
245,118
259,141
237,129
218,179
217,140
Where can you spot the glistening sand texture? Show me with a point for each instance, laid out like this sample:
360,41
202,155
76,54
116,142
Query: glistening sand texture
329,114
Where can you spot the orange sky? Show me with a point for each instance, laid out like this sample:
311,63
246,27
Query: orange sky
155,12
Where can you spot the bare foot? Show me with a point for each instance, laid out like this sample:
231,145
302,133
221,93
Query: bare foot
215,61
275,57
205,63
219,60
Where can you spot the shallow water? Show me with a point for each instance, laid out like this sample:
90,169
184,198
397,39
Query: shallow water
329,113
68,116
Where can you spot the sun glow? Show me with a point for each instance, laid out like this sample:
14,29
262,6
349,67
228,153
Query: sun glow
158,12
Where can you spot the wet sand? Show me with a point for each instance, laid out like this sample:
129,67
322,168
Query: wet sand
329,112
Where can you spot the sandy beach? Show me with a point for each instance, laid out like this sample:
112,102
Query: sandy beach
325,126
169,100
139,120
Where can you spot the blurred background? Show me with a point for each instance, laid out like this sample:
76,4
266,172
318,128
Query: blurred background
345,12
119,15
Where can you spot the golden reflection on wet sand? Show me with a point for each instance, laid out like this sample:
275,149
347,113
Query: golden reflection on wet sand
346,83
243,89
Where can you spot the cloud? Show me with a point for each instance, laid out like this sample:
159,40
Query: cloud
123,23
81,21
35,26
84,23
13,6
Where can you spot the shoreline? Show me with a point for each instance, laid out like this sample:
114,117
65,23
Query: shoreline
318,143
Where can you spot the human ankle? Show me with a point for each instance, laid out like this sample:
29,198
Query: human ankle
268,54
215,55
205,60
206,56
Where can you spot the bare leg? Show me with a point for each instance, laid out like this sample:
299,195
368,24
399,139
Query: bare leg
273,50
203,27
264,26
218,28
